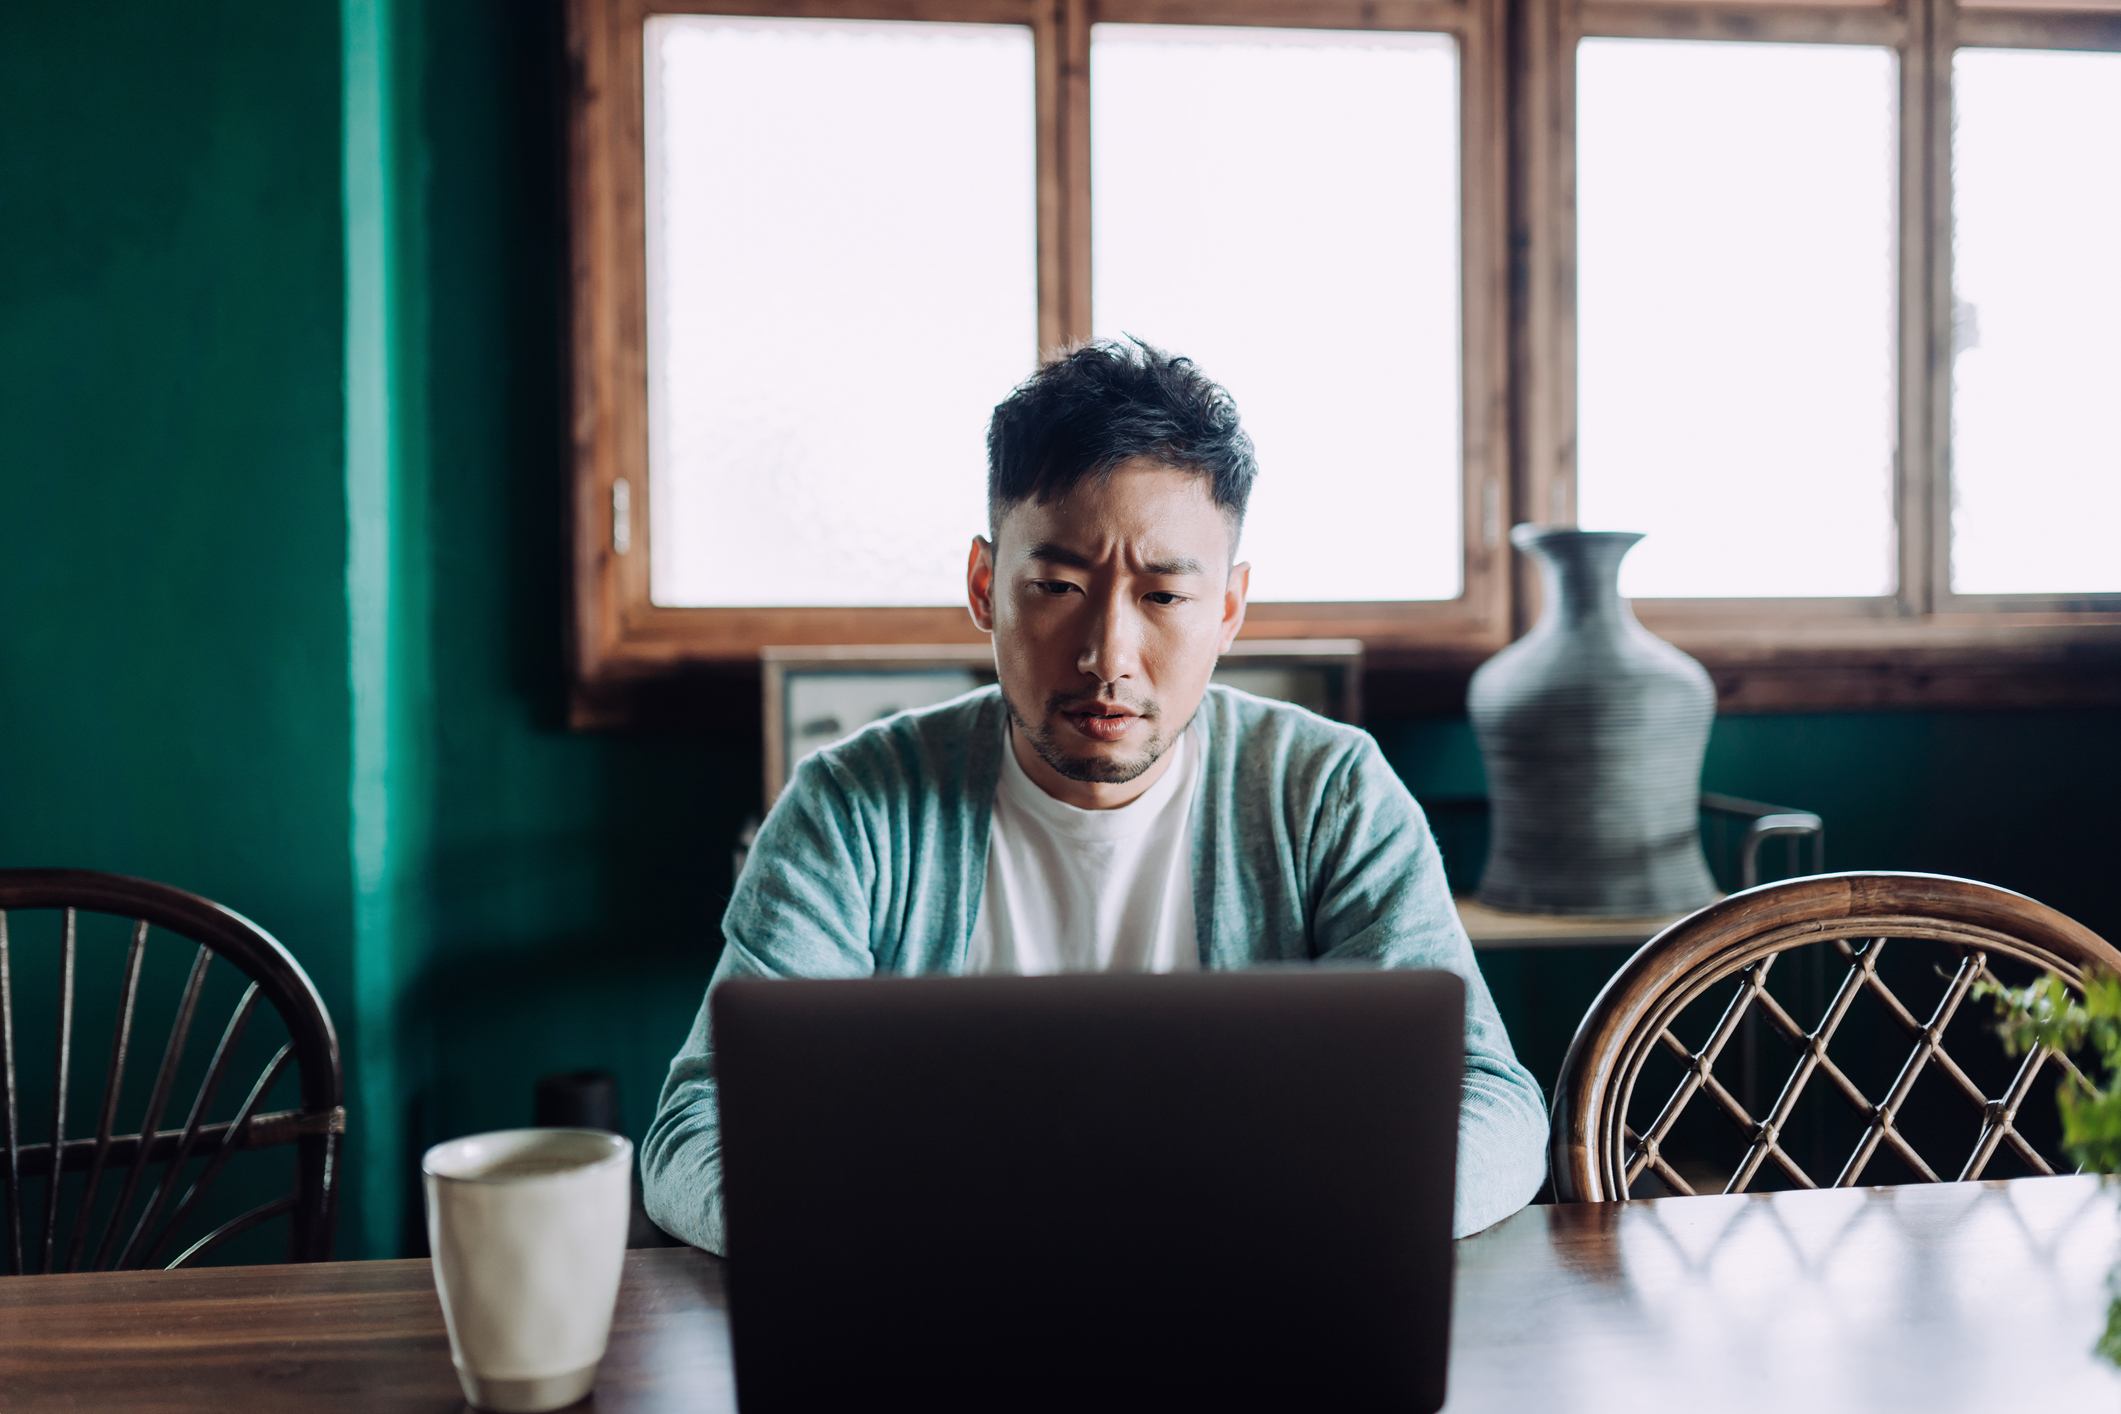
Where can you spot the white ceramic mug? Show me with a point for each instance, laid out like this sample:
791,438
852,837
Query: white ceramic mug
528,1230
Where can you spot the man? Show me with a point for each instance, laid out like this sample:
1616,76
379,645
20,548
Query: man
1103,807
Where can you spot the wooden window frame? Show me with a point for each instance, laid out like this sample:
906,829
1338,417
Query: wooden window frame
1923,645
621,636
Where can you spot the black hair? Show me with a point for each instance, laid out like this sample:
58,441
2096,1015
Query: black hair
1106,402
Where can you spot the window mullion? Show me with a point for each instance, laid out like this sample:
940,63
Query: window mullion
1921,490
1484,320
1071,33
1542,283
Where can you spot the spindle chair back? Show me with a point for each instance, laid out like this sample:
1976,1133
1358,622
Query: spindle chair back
147,1162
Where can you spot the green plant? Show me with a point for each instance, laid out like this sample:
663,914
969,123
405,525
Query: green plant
2046,1014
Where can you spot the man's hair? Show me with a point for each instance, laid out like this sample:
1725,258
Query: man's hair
1107,402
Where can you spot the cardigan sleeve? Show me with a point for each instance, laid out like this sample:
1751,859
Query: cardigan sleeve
1382,900
800,909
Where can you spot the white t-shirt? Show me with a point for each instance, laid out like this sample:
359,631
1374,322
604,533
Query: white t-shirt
1073,890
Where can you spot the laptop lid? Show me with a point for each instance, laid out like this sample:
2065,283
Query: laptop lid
1091,1191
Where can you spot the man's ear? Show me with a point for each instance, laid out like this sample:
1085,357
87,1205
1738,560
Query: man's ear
979,583
1234,592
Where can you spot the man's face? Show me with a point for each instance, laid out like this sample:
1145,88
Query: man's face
1108,607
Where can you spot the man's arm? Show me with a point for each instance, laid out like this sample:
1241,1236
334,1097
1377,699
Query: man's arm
1381,899
801,909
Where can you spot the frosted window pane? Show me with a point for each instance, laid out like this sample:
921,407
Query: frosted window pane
842,283
2036,213
1736,307
1282,207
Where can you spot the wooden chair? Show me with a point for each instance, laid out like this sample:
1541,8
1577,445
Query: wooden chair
121,1237
1606,1146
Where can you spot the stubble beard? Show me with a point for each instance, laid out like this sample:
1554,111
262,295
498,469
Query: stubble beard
1092,770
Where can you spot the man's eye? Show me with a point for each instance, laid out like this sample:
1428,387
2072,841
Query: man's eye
1165,597
1052,588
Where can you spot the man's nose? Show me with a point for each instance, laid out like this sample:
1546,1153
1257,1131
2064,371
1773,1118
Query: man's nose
1112,643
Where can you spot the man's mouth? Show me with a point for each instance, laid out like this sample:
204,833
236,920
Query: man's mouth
1100,722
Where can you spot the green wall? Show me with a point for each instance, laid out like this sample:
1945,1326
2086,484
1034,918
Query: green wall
281,334
173,632
173,690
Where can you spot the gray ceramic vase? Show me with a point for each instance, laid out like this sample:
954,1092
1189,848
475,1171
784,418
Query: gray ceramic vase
1593,731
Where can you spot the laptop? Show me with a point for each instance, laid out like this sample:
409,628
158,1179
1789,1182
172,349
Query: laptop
1091,1192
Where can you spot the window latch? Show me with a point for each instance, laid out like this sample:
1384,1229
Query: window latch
621,516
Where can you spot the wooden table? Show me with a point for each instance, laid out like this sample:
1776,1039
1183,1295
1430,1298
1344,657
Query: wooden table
1942,1298
1931,1297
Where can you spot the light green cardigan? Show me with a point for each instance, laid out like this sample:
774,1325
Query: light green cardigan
1306,846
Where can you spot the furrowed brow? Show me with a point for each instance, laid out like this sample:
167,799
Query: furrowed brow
1052,553
1174,568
